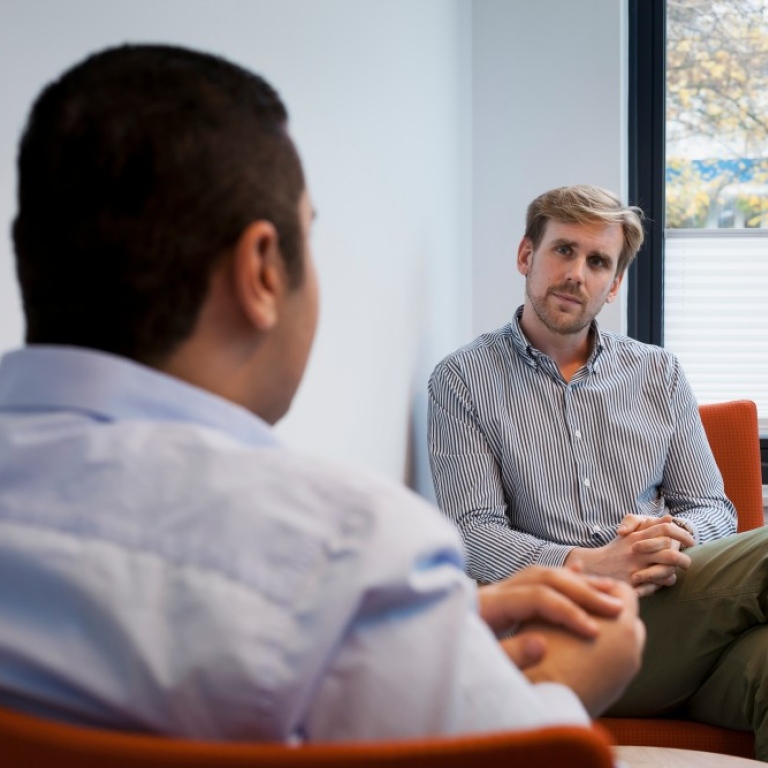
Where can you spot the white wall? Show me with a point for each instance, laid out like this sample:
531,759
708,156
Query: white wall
425,127
373,88
549,110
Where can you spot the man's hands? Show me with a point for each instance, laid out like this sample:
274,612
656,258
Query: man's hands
645,554
578,630
560,597
599,669
583,631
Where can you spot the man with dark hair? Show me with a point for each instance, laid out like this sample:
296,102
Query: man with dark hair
554,442
164,564
110,160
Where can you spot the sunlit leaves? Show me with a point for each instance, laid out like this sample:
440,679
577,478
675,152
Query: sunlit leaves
717,109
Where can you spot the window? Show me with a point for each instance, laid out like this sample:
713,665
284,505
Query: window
699,168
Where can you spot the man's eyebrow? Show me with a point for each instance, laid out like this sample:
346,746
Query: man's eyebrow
575,243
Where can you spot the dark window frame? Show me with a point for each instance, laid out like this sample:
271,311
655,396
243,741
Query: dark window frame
647,26
647,155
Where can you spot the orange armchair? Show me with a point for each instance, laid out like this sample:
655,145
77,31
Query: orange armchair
29,742
733,434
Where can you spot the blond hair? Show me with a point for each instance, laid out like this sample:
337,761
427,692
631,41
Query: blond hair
582,203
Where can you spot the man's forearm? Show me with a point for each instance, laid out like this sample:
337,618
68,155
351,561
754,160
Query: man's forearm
496,551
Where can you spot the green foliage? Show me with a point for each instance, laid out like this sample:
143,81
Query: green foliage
717,109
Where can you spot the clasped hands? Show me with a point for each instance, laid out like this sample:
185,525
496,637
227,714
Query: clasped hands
646,553
579,630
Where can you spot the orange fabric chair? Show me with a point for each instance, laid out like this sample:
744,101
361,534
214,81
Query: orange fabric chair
29,742
733,434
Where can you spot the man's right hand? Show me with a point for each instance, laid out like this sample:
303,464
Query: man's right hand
647,557
597,669
560,596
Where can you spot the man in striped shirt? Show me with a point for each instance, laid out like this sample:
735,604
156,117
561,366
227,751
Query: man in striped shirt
555,442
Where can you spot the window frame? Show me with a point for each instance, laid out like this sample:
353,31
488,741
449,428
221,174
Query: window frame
647,27
647,137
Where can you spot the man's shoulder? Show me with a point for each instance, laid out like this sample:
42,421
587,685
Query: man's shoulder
197,499
627,349
487,350
306,492
291,501
336,485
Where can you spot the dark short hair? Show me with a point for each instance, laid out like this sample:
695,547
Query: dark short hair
582,203
138,170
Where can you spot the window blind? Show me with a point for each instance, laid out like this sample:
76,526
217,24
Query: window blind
716,312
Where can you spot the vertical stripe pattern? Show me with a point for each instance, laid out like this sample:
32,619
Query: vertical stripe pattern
528,465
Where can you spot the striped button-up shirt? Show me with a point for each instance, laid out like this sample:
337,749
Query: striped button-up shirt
528,465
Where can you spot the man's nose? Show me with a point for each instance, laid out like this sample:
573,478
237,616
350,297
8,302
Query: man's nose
575,271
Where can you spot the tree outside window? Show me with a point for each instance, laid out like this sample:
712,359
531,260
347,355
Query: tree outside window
717,114
715,245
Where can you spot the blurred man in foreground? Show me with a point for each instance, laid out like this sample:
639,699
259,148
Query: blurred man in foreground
167,566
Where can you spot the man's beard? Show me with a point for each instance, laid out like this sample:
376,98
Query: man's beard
561,325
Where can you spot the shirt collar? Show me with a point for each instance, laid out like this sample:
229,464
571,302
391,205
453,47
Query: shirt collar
112,388
531,355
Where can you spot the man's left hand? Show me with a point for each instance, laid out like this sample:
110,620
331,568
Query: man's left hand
654,577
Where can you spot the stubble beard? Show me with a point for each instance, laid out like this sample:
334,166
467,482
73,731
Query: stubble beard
559,325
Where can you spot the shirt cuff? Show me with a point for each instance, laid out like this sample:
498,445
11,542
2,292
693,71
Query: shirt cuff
553,555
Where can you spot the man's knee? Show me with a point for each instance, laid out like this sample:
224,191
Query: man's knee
734,563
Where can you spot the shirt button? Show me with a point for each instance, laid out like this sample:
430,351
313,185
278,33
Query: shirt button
586,481
596,529
578,434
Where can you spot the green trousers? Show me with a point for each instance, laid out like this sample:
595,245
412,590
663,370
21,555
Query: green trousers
707,647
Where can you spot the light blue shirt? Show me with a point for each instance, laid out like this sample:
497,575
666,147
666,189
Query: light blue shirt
166,566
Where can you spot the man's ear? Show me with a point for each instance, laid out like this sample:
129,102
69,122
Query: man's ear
524,254
259,274
614,291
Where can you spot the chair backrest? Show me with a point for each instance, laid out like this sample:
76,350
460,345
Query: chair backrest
733,434
29,742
